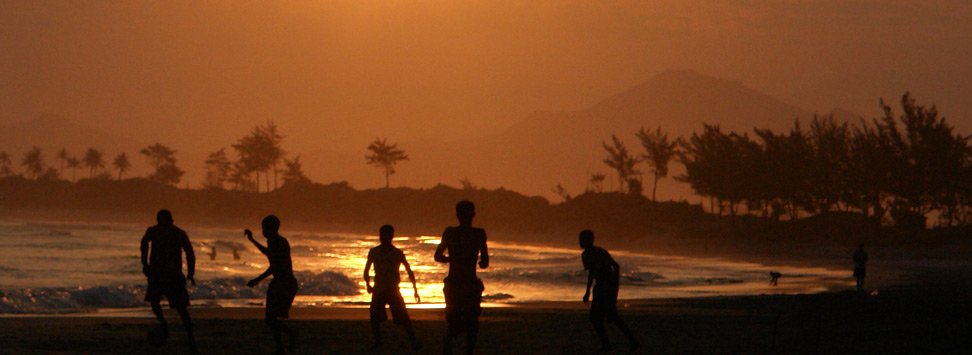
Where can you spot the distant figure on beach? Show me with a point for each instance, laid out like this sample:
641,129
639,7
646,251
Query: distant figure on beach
775,278
606,272
388,260
236,254
161,253
860,266
460,247
212,253
283,287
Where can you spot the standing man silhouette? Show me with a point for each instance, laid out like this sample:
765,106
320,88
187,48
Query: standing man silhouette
283,287
460,247
602,268
163,268
388,260
860,266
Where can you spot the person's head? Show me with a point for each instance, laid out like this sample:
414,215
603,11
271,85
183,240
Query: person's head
386,233
465,211
586,238
164,217
860,247
271,226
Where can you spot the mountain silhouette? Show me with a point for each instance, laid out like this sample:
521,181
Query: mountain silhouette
550,148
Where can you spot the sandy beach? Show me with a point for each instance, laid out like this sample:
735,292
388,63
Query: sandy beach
928,318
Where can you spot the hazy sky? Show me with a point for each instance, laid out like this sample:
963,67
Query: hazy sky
197,74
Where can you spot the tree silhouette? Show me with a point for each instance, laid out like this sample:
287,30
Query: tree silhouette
94,160
121,164
5,165
467,184
62,156
73,164
33,163
218,169
385,156
260,151
659,152
162,159
294,172
621,161
597,181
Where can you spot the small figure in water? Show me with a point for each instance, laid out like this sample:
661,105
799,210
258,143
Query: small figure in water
463,290
163,268
236,254
387,260
602,268
212,253
283,287
775,278
860,266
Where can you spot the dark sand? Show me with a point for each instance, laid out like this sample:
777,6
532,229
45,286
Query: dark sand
930,318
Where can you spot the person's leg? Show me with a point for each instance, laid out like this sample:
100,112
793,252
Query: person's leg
396,304
377,316
187,323
276,330
597,319
157,310
472,334
623,327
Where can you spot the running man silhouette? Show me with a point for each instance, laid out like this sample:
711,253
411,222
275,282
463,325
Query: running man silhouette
602,268
283,287
388,260
463,290
163,268
860,266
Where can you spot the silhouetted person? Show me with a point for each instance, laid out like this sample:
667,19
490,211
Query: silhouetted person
602,268
212,253
860,266
388,260
283,287
775,278
463,290
163,268
236,254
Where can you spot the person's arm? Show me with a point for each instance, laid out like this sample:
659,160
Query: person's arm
587,291
144,248
483,253
367,274
411,277
262,276
190,259
443,245
263,249
616,268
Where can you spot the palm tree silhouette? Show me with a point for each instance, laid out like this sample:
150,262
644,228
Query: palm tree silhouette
5,163
121,164
659,152
33,162
94,160
62,155
620,160
73,164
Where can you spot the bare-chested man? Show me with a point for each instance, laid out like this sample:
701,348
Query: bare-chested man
461,247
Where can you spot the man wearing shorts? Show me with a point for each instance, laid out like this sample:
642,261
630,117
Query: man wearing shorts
161,254
387,260
461,247
283,287
602,268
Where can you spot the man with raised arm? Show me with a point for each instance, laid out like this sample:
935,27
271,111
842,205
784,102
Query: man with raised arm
283,287
461,247
161,250
602,268
387,260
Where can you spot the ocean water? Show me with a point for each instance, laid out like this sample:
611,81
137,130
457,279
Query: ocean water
60,268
